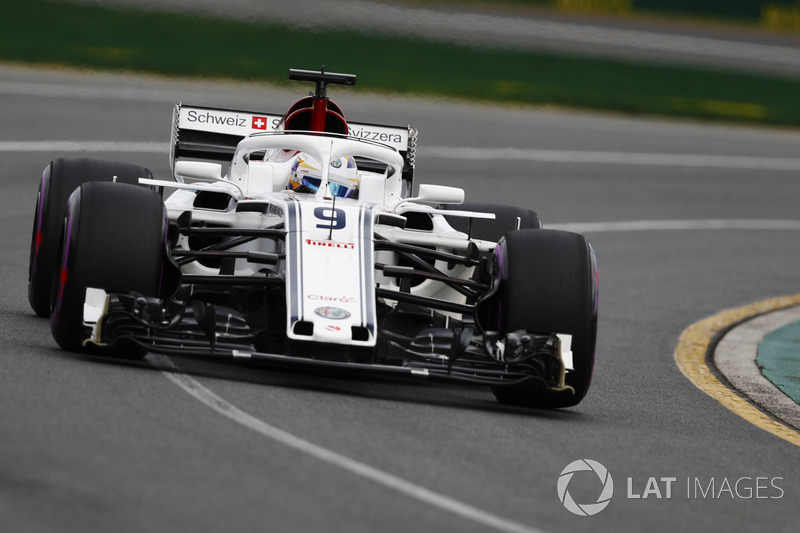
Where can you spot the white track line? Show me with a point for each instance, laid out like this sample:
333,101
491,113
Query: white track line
427,496
615,158
83,146
466,154
672,225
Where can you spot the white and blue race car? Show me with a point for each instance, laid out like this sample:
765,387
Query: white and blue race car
298,240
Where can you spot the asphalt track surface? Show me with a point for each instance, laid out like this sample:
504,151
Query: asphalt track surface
686,220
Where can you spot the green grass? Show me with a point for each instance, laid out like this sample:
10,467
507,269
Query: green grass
47,32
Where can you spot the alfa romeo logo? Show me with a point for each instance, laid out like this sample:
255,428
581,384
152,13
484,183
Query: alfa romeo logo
334,313
585,509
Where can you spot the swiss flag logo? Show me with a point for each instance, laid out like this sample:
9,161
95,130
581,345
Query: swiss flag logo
259,123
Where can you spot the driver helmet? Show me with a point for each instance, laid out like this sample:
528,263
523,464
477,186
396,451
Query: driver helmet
342,177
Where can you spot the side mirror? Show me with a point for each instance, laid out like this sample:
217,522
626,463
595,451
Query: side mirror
199,170
438,194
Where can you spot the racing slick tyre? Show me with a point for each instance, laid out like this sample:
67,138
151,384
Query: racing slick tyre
549,285
113,238
59,179
491,230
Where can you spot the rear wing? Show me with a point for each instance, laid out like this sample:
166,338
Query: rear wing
212,134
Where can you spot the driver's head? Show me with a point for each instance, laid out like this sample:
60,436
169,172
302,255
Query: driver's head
342,177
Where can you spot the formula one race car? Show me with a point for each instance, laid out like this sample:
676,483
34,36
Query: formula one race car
310,250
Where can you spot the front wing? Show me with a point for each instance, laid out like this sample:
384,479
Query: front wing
132,323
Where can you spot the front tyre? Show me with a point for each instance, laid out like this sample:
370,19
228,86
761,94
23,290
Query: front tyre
113,238
549,285
59,179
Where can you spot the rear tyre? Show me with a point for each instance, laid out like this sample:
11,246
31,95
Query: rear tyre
113,238
549,285
59,179
506,219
